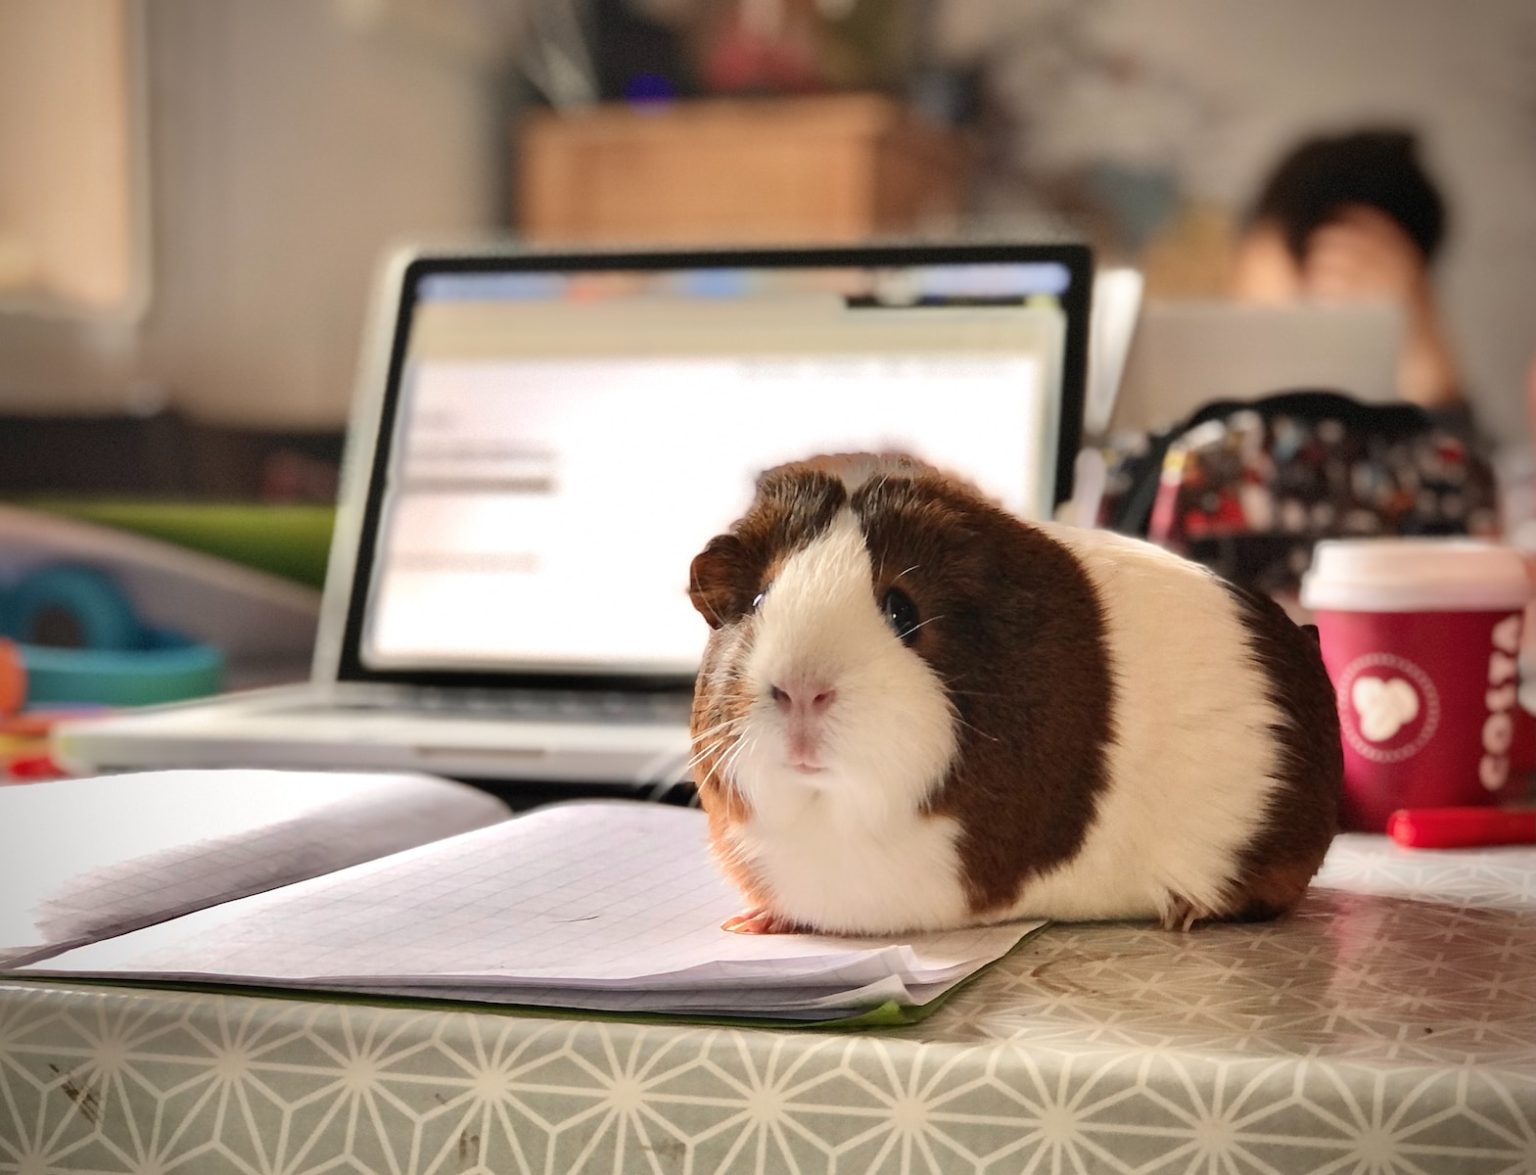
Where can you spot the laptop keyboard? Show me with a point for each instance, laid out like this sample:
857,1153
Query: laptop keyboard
531,705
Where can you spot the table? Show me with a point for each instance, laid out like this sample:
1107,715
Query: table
1390,1025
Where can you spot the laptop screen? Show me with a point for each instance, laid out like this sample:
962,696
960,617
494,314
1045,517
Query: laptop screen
561,436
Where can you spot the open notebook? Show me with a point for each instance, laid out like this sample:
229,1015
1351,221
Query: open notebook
413,886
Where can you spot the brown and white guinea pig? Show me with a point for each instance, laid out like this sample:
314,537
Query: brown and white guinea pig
916,711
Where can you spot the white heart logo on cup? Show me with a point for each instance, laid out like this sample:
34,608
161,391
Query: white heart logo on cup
1384,705
1389,709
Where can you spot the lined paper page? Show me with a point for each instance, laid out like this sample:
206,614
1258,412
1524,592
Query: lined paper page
799,1003
84,858
604,895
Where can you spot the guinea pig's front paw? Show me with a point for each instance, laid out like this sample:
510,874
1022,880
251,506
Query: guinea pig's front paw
1183,914
760,920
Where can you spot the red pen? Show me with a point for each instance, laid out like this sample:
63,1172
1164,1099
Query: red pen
33,768
1461,828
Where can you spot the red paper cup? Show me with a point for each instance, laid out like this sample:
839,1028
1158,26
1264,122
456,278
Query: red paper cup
1421,638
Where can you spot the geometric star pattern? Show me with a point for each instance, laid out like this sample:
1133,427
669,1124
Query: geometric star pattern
1388,1026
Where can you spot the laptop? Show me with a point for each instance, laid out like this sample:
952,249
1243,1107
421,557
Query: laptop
539,445
1184,355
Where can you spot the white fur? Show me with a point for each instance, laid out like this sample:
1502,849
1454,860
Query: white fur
1192,764
847,848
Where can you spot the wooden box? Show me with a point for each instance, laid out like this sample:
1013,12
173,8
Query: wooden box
822,169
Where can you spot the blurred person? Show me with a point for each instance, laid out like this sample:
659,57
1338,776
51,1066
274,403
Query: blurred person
1352,218
1249,488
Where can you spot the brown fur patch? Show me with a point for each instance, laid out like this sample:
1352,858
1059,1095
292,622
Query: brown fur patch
1285,853
794,504
1015,629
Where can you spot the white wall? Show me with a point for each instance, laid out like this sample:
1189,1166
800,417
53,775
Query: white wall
287,148
66,192
1217,90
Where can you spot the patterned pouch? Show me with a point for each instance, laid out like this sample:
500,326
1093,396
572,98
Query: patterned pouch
1247,488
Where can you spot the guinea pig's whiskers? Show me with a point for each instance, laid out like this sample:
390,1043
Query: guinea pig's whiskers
713,741
739,750
703,753
722,765
923,624
724,775
951,688
705,748
728,768
718,728
971,726
909,570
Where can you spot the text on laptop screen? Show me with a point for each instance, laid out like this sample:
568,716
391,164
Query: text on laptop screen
565,444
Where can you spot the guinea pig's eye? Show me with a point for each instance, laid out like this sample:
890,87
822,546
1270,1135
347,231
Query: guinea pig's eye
900,614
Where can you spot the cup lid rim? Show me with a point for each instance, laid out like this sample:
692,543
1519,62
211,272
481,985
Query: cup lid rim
1412,574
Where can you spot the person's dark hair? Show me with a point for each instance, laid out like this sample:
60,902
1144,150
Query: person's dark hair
1377,168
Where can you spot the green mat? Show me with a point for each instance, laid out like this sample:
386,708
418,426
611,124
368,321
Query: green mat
292,542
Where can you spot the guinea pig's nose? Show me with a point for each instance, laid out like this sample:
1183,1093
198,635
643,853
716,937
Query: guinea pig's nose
803,696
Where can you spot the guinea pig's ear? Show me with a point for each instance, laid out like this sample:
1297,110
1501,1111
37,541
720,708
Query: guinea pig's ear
715,579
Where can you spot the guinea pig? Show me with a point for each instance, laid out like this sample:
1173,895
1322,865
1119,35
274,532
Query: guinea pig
917,711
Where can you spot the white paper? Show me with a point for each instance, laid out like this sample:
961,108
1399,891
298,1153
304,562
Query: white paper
84,858
785,1003
594,896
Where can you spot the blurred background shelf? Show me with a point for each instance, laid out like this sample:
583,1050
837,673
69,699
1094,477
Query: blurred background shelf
827,168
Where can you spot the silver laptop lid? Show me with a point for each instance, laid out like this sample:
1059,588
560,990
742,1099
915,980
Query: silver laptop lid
1185,355
541,442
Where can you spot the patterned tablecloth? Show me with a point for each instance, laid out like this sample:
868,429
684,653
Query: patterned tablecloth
1389,1026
